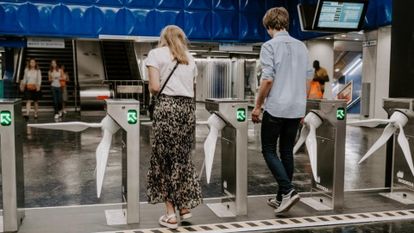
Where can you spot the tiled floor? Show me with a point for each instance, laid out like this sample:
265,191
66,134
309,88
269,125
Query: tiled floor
59,168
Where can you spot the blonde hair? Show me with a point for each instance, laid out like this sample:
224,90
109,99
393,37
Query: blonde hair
174,37
276,18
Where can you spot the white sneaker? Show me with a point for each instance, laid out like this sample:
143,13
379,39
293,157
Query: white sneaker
288,200
60,114
56,116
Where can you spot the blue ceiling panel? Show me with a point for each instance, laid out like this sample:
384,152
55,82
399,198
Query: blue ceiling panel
114,21
149,4
114,3
204,20
142,21
198,4
384,12
167,17
253,5
168,4
251,27
229,5
197,24
225,25
8,19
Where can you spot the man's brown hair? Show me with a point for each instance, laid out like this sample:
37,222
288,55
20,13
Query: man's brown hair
276,18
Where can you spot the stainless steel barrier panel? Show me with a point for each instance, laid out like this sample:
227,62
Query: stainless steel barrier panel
326,149
12,126
402,180
233,155
399,167
126,114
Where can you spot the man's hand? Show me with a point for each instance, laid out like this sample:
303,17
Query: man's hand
256,115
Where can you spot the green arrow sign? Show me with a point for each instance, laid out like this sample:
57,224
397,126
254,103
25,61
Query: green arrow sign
132,116
5,118
241,114
340,114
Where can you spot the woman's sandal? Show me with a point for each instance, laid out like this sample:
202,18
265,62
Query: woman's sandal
186,215
169,221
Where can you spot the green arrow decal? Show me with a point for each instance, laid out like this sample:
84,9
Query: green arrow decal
241,114
132,116
5,118
340,114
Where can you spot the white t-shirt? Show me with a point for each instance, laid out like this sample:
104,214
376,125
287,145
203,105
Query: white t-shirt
55,78
181,82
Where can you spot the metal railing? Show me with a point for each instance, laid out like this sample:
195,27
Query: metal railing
355,101
127,89
75,74
18,69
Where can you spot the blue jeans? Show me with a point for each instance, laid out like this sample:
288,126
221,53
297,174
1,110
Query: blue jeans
57,99
286,129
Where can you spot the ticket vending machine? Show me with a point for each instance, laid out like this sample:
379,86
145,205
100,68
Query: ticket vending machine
12,126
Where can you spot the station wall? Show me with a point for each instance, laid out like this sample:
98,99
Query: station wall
202,20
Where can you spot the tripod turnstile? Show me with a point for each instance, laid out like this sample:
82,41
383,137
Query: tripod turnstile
232,114
12,127
324,133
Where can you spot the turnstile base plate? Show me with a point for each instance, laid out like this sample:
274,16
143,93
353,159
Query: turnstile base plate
115,217
1,224
406,198
221,210
309,201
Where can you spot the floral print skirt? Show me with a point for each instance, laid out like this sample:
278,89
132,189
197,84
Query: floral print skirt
172,176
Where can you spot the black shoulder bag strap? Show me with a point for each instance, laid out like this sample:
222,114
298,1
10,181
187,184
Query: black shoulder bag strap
166,81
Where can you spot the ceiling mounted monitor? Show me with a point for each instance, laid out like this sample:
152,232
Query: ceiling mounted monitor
333,16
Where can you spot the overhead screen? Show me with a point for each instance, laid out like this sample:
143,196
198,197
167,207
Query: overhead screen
345,15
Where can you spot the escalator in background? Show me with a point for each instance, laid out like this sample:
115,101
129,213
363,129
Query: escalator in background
43,56
116,61
122,71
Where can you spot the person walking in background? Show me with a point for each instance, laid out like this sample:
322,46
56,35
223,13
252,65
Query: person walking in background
320,75
172,178
284,62
55,75
63,81
30,85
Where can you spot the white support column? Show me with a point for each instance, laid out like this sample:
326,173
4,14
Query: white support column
376,68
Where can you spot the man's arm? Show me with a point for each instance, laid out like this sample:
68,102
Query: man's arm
265,86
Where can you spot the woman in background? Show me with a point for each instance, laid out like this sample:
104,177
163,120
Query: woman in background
172,178
31,83
55,75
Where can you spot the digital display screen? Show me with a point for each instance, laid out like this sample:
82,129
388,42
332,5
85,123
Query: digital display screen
338,15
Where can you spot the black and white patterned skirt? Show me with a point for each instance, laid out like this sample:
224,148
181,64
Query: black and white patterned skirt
172,176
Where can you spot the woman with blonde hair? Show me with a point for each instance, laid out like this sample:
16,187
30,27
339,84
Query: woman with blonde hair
172,178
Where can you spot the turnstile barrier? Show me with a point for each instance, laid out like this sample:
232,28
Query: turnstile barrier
229,116
324,133
122,114
399,128
12,127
